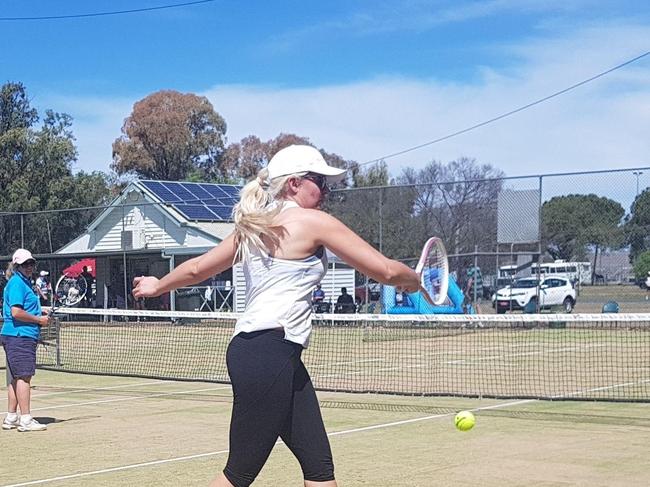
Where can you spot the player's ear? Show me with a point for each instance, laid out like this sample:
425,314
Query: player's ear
293,183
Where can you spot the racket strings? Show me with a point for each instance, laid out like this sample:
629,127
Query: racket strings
70,291
434,272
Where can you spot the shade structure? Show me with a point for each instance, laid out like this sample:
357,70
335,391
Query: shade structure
76,269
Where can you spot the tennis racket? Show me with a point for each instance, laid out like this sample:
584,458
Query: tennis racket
433,270
68,292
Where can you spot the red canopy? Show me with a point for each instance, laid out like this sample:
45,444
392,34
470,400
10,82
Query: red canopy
76,269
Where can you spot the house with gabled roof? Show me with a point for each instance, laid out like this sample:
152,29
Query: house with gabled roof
152,227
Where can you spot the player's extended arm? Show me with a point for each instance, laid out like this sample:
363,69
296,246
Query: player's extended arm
356,252
190,272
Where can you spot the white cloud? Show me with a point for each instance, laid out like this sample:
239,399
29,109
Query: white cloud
601,125
97,123
389,16
367,120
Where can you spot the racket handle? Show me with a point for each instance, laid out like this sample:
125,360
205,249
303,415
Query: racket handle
426,295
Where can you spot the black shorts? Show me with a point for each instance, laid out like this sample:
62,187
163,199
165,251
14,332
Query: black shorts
273,398
21,356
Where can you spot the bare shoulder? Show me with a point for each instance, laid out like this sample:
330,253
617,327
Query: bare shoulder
306,215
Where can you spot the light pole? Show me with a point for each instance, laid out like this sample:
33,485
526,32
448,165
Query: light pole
637,174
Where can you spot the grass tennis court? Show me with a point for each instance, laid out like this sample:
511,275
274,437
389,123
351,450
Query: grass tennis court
127,431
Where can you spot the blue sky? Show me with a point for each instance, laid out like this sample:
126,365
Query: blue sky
359,78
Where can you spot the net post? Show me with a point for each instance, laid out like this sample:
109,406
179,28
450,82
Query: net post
57,332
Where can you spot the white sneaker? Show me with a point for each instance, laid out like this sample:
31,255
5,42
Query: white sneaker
9,424
32,425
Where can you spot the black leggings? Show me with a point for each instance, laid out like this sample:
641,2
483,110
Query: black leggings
273,397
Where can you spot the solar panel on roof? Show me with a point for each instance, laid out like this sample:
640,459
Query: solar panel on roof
178,190
192,199
161,191
224,212
195,189
230,201
197,212
214,190
232,191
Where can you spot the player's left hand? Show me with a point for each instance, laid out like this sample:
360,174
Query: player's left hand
145,287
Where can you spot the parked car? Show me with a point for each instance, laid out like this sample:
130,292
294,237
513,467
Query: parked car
553,291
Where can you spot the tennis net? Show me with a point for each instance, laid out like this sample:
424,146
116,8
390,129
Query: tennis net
549,356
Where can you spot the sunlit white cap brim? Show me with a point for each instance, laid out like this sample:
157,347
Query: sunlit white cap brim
297,159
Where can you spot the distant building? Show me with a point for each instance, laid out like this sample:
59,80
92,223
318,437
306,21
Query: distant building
614,266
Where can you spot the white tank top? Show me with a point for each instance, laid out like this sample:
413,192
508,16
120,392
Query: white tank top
278,292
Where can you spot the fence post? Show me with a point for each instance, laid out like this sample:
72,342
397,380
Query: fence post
124,271
381,218
475,290
57,330
539,246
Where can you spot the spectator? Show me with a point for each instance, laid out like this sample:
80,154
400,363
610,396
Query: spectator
647,284
318,296
43,288
21,329
345,302
474,289
86,302
318,303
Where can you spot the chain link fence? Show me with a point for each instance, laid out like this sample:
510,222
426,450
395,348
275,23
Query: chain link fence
591,227
587,227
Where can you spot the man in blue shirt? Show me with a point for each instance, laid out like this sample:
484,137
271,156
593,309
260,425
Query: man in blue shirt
318,299
23,318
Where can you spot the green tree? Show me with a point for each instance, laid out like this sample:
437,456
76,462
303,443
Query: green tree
36,175
638,224
572,223
15,112
170,135
642,265
242,160
375,175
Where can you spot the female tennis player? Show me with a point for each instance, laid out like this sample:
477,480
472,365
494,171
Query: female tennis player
280,237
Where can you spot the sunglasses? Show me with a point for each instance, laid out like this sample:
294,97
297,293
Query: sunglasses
319,180
29,263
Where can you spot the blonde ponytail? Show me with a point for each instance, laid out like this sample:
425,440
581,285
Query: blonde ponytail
255,211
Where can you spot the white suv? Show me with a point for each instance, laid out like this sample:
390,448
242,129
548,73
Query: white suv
553,291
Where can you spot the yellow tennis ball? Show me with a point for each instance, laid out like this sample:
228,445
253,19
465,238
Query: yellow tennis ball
464,421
